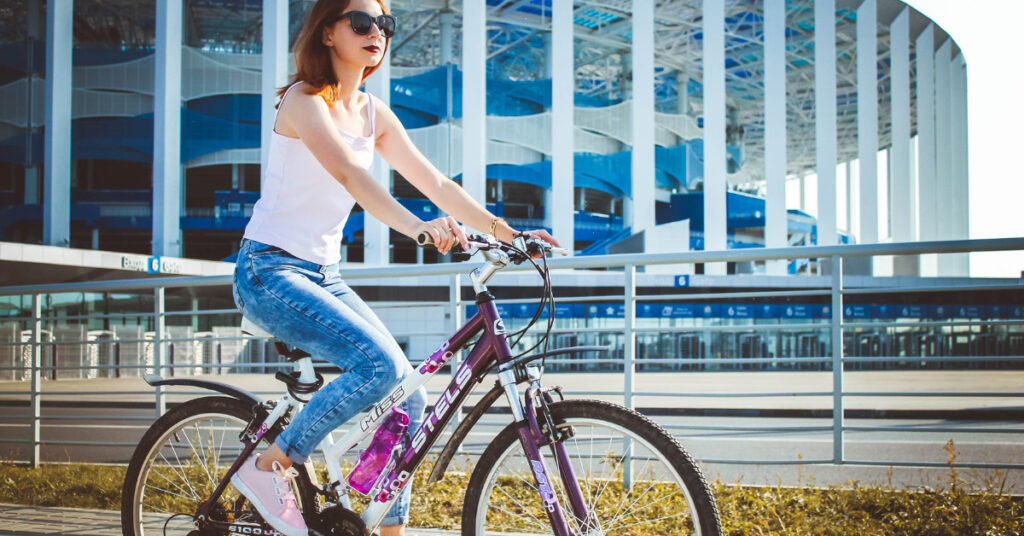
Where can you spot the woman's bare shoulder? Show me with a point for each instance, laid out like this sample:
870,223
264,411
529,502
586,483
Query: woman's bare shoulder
300,99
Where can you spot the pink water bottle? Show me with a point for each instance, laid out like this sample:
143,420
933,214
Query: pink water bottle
378,454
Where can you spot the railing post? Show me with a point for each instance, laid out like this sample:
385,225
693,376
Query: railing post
158,347
37,381
455,315
629,336
837,360
629,366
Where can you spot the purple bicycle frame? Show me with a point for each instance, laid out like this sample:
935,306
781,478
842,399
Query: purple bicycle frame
492,347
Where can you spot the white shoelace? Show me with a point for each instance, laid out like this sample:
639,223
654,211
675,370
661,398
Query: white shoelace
283,482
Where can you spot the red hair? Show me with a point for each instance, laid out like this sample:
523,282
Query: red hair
312,57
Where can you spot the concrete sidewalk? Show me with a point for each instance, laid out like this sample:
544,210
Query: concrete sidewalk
18,520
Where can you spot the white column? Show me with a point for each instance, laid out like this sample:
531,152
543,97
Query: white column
776,228
275,69
643,116
849,197
682,93
903,220
867,119
57,138
447,21
474,99
376,235
563,83
958,152
167,130
963,149
714,132
825,115
943,144
36,30
926,184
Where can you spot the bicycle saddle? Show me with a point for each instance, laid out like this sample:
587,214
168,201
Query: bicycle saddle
290,354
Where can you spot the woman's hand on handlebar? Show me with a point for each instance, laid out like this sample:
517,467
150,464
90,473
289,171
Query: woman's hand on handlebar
445,233
542,234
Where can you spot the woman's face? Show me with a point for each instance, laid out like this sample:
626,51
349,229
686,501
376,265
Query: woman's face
363,50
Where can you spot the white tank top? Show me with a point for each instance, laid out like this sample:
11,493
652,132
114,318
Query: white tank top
302,209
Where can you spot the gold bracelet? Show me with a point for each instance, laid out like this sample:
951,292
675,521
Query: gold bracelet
494,224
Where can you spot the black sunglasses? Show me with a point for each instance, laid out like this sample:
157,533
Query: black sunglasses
362,22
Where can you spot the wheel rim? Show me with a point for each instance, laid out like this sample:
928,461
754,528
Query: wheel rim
657,503
182,469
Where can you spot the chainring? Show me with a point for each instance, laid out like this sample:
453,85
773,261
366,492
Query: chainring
338,521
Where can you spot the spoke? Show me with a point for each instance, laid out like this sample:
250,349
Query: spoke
171,492
610,478
199,457
173,483
520,505
615,516
220,446
184,478
616,519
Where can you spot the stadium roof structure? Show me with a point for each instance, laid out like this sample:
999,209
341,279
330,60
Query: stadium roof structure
517,31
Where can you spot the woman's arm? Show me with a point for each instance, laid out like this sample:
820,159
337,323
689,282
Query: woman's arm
394,145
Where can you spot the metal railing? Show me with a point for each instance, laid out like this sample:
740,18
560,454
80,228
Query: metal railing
157,351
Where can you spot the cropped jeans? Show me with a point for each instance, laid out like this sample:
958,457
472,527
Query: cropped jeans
307,305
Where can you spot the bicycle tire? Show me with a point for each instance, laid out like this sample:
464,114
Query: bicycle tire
180,460
502,496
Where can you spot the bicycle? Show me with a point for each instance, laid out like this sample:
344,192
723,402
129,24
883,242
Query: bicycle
615,471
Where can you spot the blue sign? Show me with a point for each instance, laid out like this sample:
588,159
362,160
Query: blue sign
767,311
884,311
971,311
708,310
153,265
797,311
682,281
738,311
911,311
606,310
857,311
940,311
648,310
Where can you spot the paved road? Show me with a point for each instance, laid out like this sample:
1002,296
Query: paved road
44,521
118,412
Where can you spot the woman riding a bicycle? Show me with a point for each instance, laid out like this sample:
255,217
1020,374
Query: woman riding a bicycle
287,277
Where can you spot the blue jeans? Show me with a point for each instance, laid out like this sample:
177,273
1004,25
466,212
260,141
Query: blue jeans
307,305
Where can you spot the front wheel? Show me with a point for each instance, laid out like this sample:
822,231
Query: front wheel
634,477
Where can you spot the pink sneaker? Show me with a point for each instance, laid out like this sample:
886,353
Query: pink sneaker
271,493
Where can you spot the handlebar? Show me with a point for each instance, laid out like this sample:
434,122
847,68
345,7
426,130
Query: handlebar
485,242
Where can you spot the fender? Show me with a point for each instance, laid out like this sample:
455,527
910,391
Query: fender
230,390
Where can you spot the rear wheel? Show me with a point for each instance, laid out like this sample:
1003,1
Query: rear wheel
179,462
635,479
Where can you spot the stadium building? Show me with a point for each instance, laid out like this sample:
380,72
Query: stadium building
137,126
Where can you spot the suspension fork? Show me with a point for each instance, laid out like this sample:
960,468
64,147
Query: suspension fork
528,434
549,435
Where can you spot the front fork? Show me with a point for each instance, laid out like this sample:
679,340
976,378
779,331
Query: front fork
532,437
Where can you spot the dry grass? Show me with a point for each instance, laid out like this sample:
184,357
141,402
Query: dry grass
987,509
